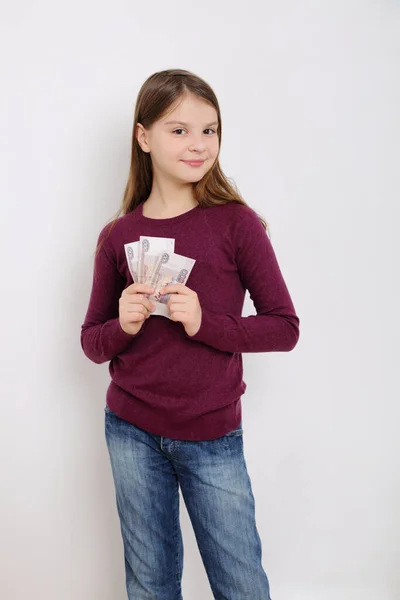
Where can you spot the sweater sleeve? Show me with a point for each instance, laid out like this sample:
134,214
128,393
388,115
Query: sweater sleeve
275,327
102,337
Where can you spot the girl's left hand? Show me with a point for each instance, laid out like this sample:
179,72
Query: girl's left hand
184,306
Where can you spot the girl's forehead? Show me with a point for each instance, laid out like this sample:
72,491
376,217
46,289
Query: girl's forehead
190,111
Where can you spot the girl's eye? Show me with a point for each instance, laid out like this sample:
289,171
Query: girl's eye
208,129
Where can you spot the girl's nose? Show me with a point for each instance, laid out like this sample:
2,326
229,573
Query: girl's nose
197,144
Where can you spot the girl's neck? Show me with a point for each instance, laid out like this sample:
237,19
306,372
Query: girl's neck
154,210
165,206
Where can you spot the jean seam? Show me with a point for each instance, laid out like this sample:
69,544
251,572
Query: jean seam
176,526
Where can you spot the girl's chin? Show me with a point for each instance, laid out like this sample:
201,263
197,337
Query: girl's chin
190,177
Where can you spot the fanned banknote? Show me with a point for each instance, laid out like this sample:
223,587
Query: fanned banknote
152,261
152,252
132,257
153,247
173,268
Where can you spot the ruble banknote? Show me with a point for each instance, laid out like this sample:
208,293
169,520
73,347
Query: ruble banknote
152,251
173,268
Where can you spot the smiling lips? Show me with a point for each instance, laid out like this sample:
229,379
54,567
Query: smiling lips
194,163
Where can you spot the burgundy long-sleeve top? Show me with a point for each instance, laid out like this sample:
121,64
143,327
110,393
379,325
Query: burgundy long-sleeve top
163,380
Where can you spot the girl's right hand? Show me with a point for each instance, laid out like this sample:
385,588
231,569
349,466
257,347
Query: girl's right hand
134,307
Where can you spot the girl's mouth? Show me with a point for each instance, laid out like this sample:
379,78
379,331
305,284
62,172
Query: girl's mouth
194,163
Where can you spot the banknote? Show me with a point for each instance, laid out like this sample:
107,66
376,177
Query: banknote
152,247
173,268
152,260
132,258
152,252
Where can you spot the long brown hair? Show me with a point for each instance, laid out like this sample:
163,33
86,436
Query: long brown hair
157,94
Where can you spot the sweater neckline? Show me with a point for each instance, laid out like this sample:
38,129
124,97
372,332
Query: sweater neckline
168,221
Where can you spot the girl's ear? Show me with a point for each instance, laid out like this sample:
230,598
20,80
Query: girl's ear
142,137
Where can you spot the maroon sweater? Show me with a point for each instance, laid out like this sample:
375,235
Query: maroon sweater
162,380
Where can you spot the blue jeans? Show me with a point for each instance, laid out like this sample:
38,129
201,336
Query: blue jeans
147,471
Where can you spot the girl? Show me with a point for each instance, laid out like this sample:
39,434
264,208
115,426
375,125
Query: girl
173,414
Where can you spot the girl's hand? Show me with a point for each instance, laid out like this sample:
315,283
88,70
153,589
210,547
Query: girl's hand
184,306
134,307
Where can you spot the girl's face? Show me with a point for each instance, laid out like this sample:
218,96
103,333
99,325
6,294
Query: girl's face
187,133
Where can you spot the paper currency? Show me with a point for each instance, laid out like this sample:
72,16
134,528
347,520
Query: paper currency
152,261
175,269
132,257
152,252
138,264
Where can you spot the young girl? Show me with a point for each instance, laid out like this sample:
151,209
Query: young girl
173,414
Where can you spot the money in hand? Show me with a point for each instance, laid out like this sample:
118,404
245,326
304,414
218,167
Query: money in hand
152,261
174,269
142,256
152,252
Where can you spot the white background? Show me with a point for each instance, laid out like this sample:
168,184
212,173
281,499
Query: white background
310,95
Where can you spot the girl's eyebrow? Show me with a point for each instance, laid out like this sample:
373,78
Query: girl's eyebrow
187,124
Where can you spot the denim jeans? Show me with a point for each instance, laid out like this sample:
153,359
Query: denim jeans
147,471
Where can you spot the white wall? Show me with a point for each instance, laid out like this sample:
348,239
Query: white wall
310,97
